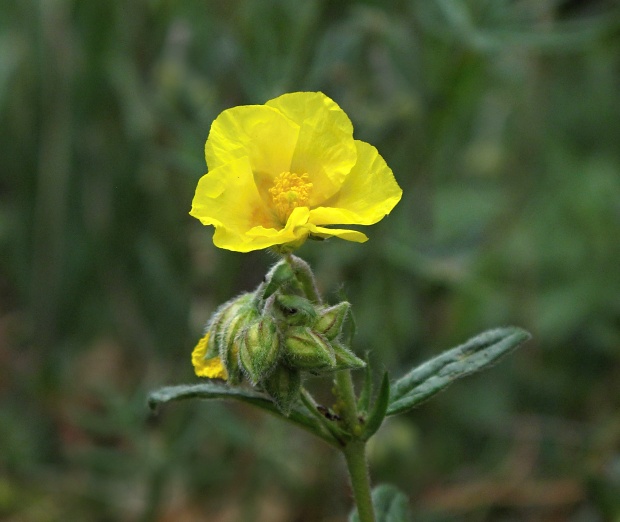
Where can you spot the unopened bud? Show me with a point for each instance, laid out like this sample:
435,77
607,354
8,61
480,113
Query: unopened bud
330,320
346,359
280,275
259,348
283,385
231,341
220,320
296,310
306,349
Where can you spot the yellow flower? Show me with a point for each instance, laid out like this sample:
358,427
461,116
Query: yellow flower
212,368
282,171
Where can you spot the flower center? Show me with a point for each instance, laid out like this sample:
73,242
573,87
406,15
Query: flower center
289,191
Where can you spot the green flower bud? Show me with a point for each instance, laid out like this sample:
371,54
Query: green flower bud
283,385
280,275
330,320
231,341
296,310
259,348
306,349
346,359
220,320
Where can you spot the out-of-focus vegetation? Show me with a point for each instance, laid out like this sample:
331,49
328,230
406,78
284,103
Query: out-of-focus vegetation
501,121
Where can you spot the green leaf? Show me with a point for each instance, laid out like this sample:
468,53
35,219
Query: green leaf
391,505
379,408
212,390
433,376
363,402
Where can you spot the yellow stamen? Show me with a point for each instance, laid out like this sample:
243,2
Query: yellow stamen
289,191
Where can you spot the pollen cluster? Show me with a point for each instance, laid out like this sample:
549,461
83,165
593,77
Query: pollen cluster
289,191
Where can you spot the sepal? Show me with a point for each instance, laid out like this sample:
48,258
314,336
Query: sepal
283,385
330,320
231,342
306,349
345,358
219,321
296,310
259,349
280,275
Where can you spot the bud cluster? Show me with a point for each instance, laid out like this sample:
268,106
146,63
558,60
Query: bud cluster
274,334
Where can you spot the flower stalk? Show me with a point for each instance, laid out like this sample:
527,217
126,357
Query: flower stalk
355,450
357,466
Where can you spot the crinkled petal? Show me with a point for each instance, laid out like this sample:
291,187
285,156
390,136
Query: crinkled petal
211,368
349,235
228,197
259,237
367,195
263,134
325,148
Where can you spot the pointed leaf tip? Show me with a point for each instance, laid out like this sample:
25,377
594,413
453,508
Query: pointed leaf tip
434,375
379,408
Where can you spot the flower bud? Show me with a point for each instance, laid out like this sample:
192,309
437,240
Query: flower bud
330,320
296,310
220,320
346,359
231,341
306,349
280,275
259,348
283,385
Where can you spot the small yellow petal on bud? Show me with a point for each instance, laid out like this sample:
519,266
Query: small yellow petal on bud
212,367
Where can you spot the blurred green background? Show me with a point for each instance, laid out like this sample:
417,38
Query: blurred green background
500,120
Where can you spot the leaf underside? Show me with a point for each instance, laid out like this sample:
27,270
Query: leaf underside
431,377
213,390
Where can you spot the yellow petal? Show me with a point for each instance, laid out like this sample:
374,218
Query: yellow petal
263,134
211,368
367,195
349,235
259,237
227,197
325,149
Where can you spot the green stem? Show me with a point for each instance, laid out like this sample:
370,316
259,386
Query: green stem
310,404
355,450
355,455
344,385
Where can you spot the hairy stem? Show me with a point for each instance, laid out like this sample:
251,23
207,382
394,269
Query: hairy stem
355,455
355,449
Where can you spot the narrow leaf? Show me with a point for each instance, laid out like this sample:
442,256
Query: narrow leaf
391,505
433,376
379,408
363,403
212,390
